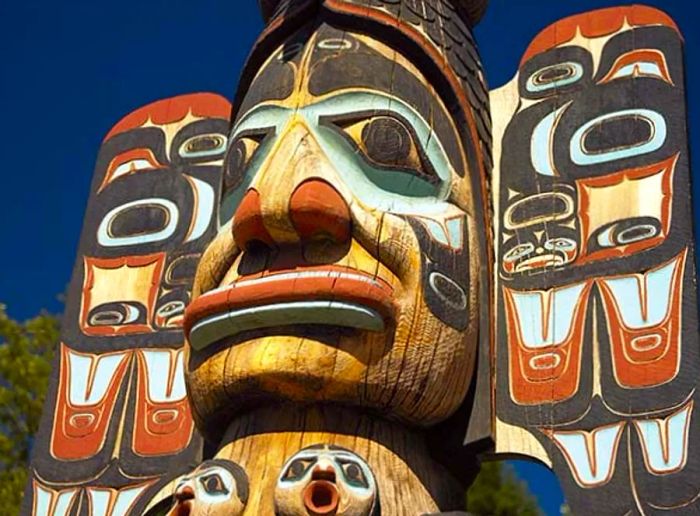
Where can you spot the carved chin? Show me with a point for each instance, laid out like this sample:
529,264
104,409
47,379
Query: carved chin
401,372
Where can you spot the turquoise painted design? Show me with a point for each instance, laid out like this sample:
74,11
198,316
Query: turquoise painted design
212,152
395,192
455,229
639,68
336,313
159,365
541,145
581,156
643,301
556,308
45,499
665,441
594,466
104,503
449,233
611,238
89,378
436,230
104,232
206,197
571,72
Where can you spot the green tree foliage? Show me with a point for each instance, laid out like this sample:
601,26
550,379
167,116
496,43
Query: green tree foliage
26,354
497,492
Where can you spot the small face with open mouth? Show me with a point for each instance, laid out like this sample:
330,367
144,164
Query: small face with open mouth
346,265
324,480
215,488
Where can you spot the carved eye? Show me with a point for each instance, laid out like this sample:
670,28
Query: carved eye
518,252
555,76
238,159
389,143
117,314
202,145
213,484
239,155
297,469
560,244
353,474
171,308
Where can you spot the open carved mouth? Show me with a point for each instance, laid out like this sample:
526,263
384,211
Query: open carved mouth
538,262
321,498
327,295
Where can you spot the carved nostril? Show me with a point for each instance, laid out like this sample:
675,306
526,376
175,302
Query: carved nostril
184,492
319,212
248,228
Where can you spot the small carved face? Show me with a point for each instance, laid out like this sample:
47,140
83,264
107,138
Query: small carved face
326,480
215,488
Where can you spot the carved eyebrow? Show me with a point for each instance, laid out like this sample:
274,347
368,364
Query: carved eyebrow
355,100
262,116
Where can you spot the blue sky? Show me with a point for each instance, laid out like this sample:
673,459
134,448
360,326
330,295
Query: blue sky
71,69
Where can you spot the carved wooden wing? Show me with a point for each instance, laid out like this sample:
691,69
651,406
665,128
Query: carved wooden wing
596,345
116,418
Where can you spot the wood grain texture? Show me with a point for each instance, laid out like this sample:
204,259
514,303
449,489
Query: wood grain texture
117,421
408,479
596,359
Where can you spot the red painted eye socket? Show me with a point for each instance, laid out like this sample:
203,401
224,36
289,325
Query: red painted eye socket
639,63
131,162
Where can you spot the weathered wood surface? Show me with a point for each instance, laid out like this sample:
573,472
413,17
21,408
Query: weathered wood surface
597,356
116,418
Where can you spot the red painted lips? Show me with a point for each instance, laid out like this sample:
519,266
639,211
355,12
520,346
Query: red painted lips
326,283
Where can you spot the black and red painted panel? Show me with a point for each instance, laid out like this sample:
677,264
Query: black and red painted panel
117,416
152,209
598,354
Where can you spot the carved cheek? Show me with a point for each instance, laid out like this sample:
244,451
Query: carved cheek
445,267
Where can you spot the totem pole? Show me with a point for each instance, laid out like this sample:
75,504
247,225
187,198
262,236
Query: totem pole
327,299
335,315
597,356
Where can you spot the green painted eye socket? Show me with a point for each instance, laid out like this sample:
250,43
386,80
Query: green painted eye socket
297,469
241,154
393,158
213,484
353,473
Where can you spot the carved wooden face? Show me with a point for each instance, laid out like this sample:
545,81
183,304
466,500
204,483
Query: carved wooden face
343,268
215,488
325,480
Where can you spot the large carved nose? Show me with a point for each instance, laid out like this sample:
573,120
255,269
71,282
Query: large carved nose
315,209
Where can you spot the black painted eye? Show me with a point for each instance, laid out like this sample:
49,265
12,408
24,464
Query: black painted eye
238,159
389,143
239,155
353,473
213,484
117,314
202,145
297,469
